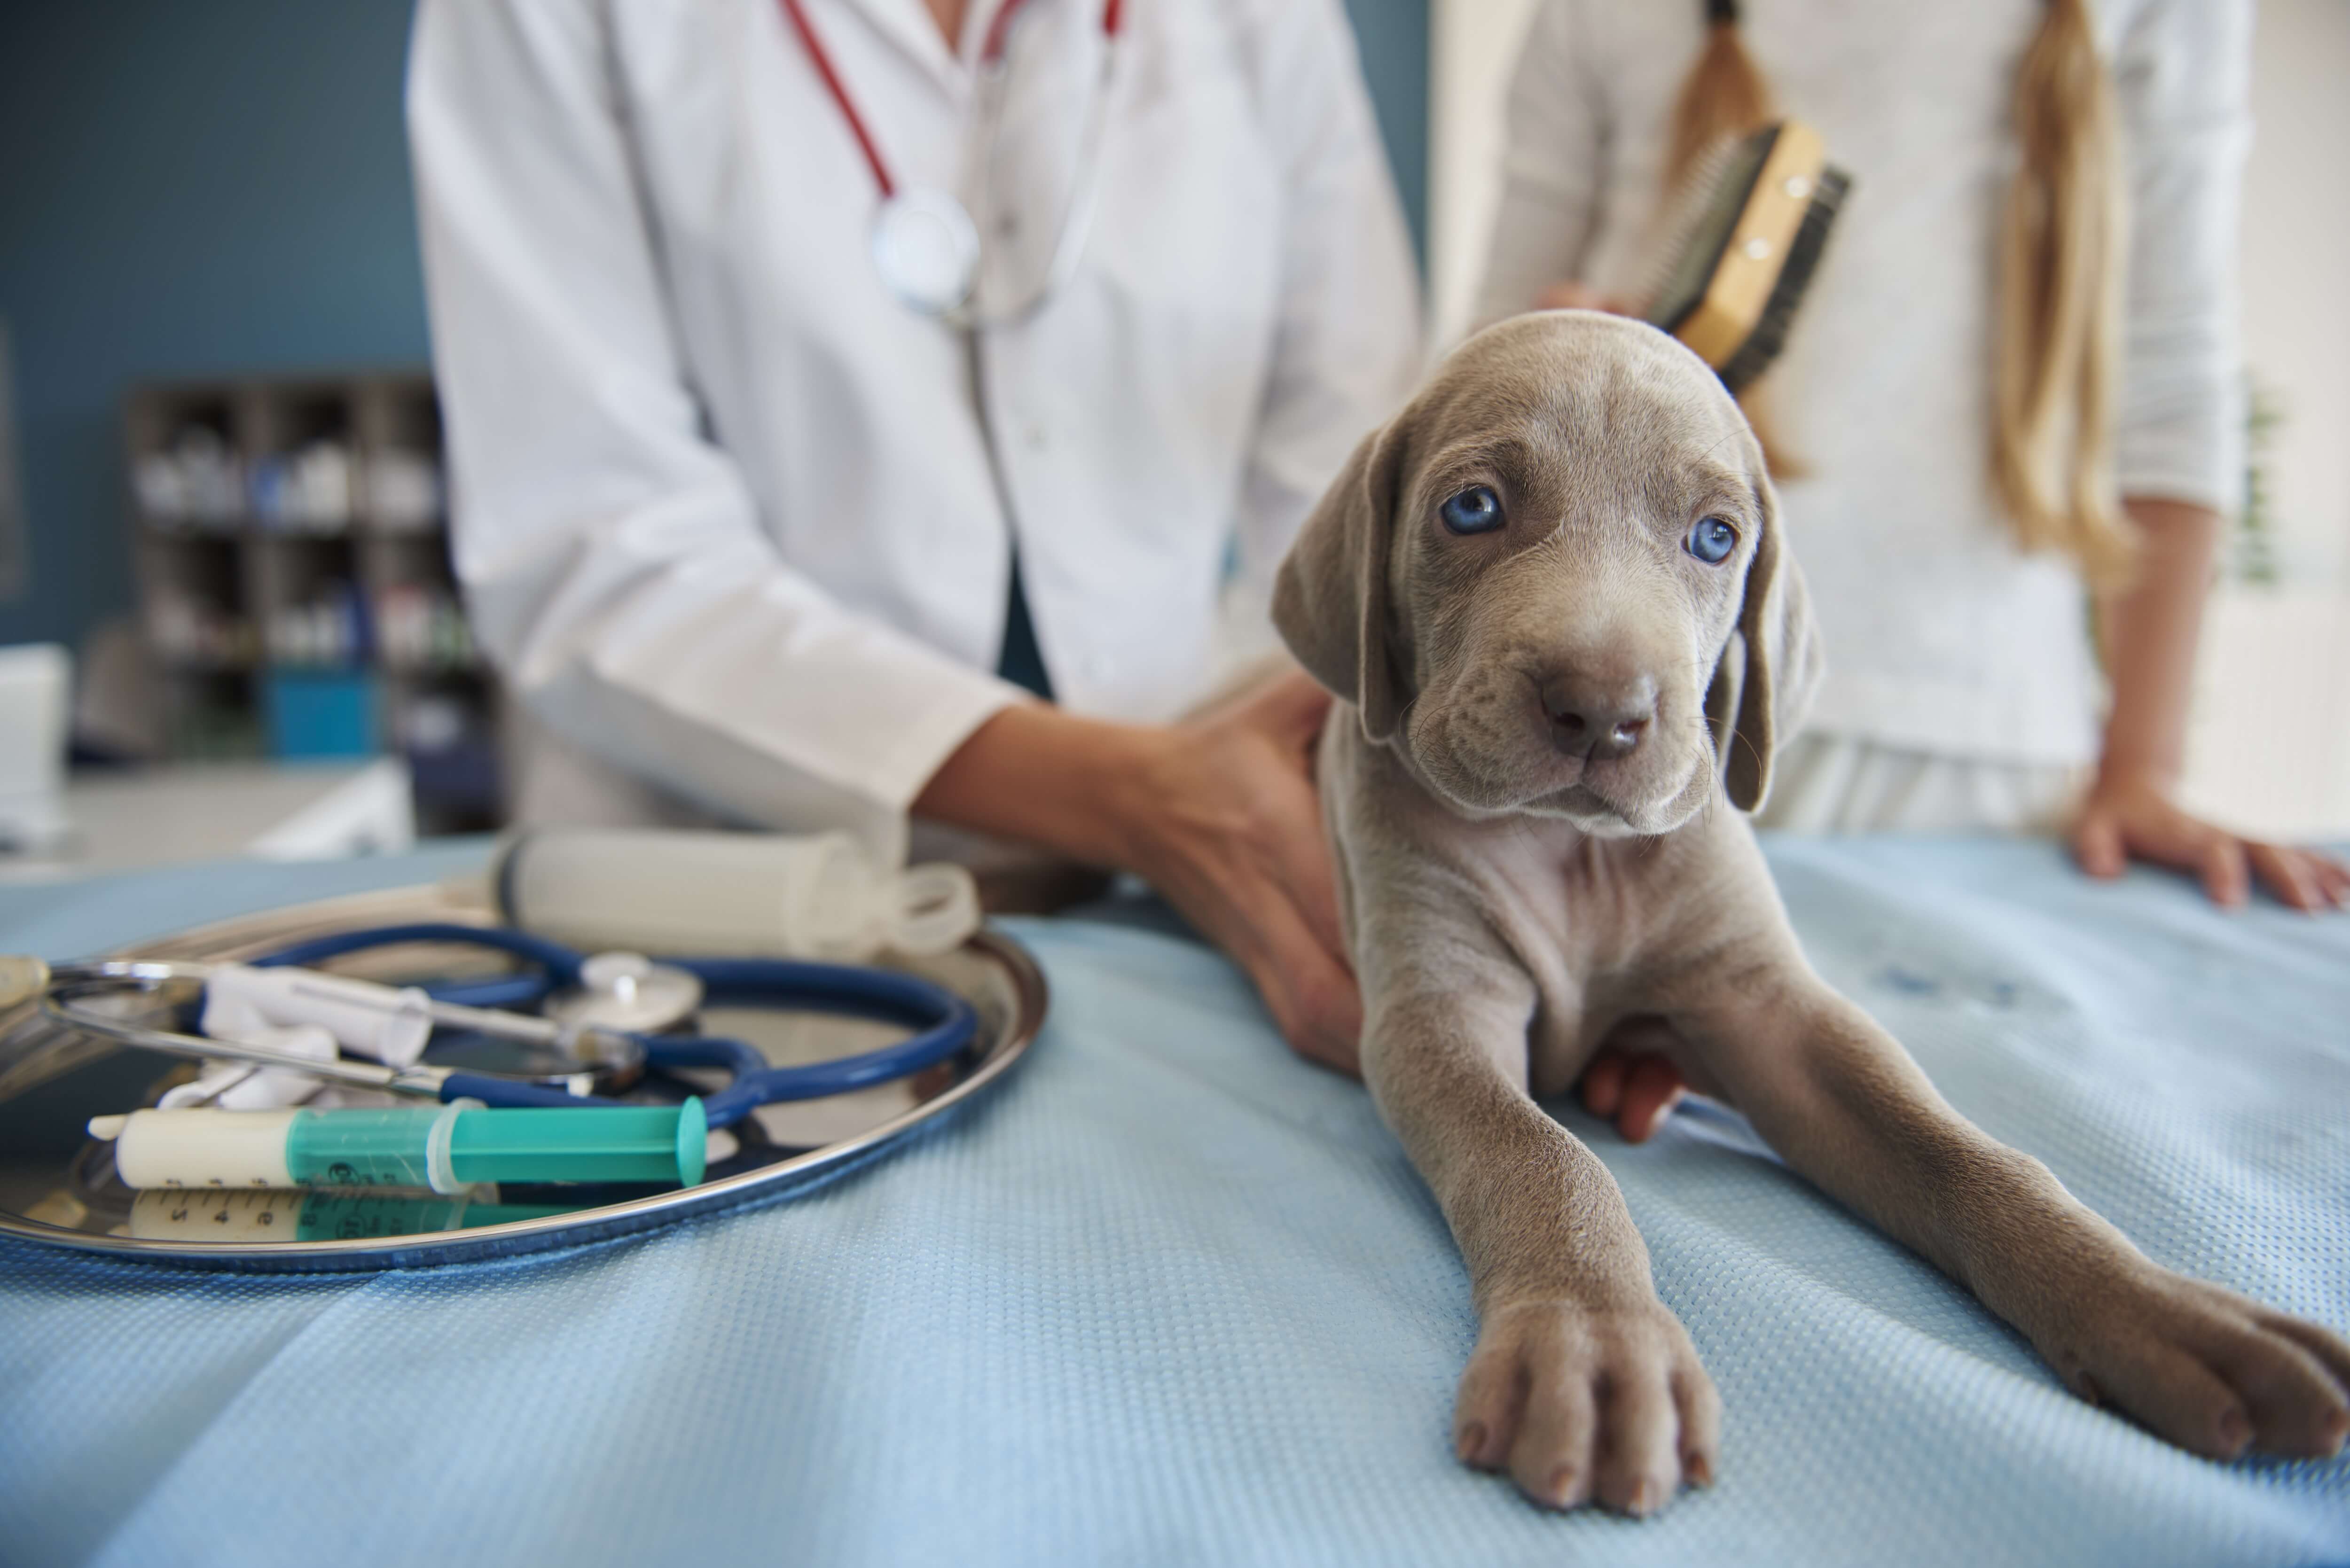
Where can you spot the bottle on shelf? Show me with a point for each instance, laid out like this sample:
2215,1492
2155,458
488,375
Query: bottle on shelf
191,484
402,491
306,491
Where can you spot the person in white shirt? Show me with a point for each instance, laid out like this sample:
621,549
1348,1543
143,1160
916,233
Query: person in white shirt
2011,399
739,526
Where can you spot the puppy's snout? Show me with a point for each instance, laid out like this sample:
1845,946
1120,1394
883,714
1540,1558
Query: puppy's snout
1597,721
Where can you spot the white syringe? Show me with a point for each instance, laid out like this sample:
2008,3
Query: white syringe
441,1149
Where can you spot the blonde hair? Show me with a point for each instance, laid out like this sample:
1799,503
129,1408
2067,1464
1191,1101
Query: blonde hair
2056,347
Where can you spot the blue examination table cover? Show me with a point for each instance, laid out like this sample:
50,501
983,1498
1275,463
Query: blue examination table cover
1170,1296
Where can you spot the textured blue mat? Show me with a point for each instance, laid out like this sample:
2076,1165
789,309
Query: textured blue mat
1172,1297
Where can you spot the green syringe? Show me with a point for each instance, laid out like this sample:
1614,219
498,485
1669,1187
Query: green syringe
443,1149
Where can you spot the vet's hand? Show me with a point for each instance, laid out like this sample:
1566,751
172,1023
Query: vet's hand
1218,813
1636,1089
1223,820
2133,816
1573,296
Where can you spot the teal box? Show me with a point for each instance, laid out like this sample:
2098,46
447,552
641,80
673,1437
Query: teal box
320,714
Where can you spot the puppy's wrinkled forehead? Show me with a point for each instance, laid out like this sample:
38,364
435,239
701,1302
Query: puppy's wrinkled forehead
1583,401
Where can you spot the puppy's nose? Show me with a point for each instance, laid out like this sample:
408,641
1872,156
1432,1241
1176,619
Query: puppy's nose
1594,723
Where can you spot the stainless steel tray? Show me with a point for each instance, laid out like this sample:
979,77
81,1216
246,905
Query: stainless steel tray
54,1078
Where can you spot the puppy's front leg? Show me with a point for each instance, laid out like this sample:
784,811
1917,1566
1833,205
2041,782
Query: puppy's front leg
1838,1097
1583,1383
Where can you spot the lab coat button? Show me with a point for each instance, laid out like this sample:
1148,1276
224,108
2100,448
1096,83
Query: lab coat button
1034,436
1099,667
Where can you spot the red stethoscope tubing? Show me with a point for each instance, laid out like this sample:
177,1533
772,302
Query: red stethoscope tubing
991,53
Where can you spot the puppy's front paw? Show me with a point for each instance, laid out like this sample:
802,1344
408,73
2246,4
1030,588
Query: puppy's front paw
2212,1371
1582,1403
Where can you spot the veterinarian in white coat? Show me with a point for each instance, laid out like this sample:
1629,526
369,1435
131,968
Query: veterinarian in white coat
739,526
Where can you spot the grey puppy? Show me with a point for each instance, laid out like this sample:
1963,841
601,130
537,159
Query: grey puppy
1547,593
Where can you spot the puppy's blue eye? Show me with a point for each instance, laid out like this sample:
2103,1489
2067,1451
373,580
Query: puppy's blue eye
1476,510
1710,541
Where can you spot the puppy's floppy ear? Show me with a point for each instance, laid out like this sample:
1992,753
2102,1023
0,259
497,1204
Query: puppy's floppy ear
1330,599
1763,684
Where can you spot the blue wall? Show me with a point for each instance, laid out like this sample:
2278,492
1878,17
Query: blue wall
209,187
186,189
1394,38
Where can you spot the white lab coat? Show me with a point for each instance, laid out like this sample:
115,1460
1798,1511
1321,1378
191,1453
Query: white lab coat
723,509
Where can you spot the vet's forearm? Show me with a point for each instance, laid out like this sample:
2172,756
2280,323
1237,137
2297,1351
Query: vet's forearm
2149,631
1036,772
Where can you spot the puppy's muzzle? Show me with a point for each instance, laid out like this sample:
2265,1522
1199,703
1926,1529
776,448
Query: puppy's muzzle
1597,721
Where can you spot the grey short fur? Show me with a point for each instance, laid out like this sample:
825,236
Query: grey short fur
1538,853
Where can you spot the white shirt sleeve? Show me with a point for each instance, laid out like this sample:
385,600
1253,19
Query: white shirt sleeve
1554,160
612,555
1348,344
2181,74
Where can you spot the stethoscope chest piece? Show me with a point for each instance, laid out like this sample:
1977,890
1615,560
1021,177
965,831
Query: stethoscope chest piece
628,993
926,249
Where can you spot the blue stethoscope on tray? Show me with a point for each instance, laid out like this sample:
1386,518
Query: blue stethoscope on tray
944,1024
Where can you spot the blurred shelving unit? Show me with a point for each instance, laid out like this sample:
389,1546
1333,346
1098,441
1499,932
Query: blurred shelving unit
292,549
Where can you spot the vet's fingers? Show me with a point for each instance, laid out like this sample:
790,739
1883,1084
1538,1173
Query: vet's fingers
1570,296
1314,999
1651,1090
2287,874
1309,881
2097,845
1639,1449
2226,876
1700,1410
1320,1016
1292,706
1603,1083
1286,836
